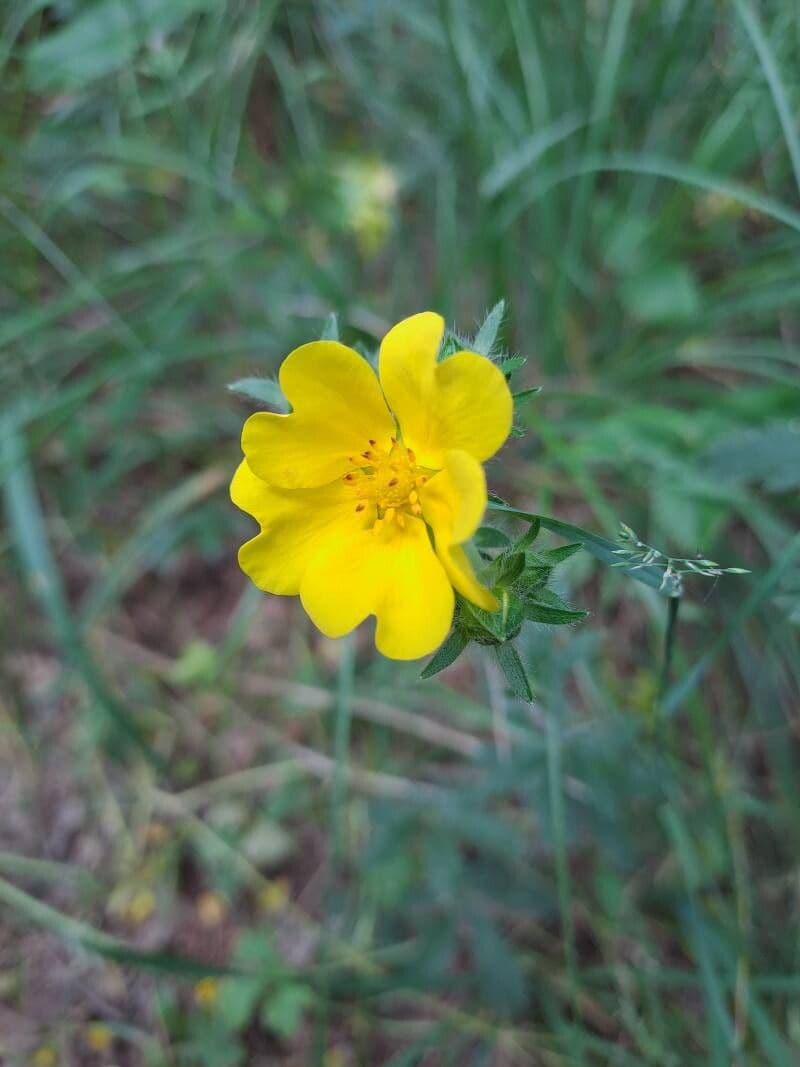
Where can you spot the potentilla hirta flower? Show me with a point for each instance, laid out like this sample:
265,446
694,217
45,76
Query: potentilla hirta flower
368,490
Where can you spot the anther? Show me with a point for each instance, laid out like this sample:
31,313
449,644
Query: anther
412,457
367,454
361,506
372,442
421,480
349,477
394,481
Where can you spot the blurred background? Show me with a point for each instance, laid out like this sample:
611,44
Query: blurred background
225,840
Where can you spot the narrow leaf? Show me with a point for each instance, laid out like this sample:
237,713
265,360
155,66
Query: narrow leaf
486,337
447,654
330,329
511,665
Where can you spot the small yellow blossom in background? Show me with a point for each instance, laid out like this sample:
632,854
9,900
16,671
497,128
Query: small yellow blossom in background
364,510
139,906
44,1056
368,188
275,896
334,1057
98,1037
211,909
206,992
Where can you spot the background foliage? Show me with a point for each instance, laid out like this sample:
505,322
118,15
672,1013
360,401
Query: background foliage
226,841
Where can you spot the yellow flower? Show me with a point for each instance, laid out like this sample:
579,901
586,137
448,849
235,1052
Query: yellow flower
364,510
98,1037
206,992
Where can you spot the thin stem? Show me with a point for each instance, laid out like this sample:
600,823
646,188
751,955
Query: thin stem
669,644
341,745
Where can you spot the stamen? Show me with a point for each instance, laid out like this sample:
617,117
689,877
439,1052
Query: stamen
367,454
401,520
349,477
421,480
416,509
411,455
391,514
413,496
361,506
394,481
372,442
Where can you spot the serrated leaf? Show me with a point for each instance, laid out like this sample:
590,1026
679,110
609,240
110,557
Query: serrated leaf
447,654
264,390
330,329
511,665
486,337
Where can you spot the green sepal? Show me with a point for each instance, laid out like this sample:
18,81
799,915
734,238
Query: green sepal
551,556
330,328
492,627
486,338
264,390
491,537
511,363
515,674
448,653
547,607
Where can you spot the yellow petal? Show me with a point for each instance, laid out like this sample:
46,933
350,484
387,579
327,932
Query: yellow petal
337,408
463,402
392,574
296,525
453,503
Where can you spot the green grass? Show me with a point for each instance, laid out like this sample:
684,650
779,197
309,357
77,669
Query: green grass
187,191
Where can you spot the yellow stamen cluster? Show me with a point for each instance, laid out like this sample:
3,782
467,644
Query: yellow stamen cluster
387,482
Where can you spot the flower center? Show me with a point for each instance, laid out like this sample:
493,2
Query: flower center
387,481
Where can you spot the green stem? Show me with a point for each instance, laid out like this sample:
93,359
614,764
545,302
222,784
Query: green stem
669,644
341,745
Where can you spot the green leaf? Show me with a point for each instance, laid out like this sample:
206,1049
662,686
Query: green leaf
558,555
545,606
237,1000
282,1011
486,337
330,329
530,535
511,665
101,39
600,547
662,294
447,654
264,390
491,537
526,394
507,568
511,364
